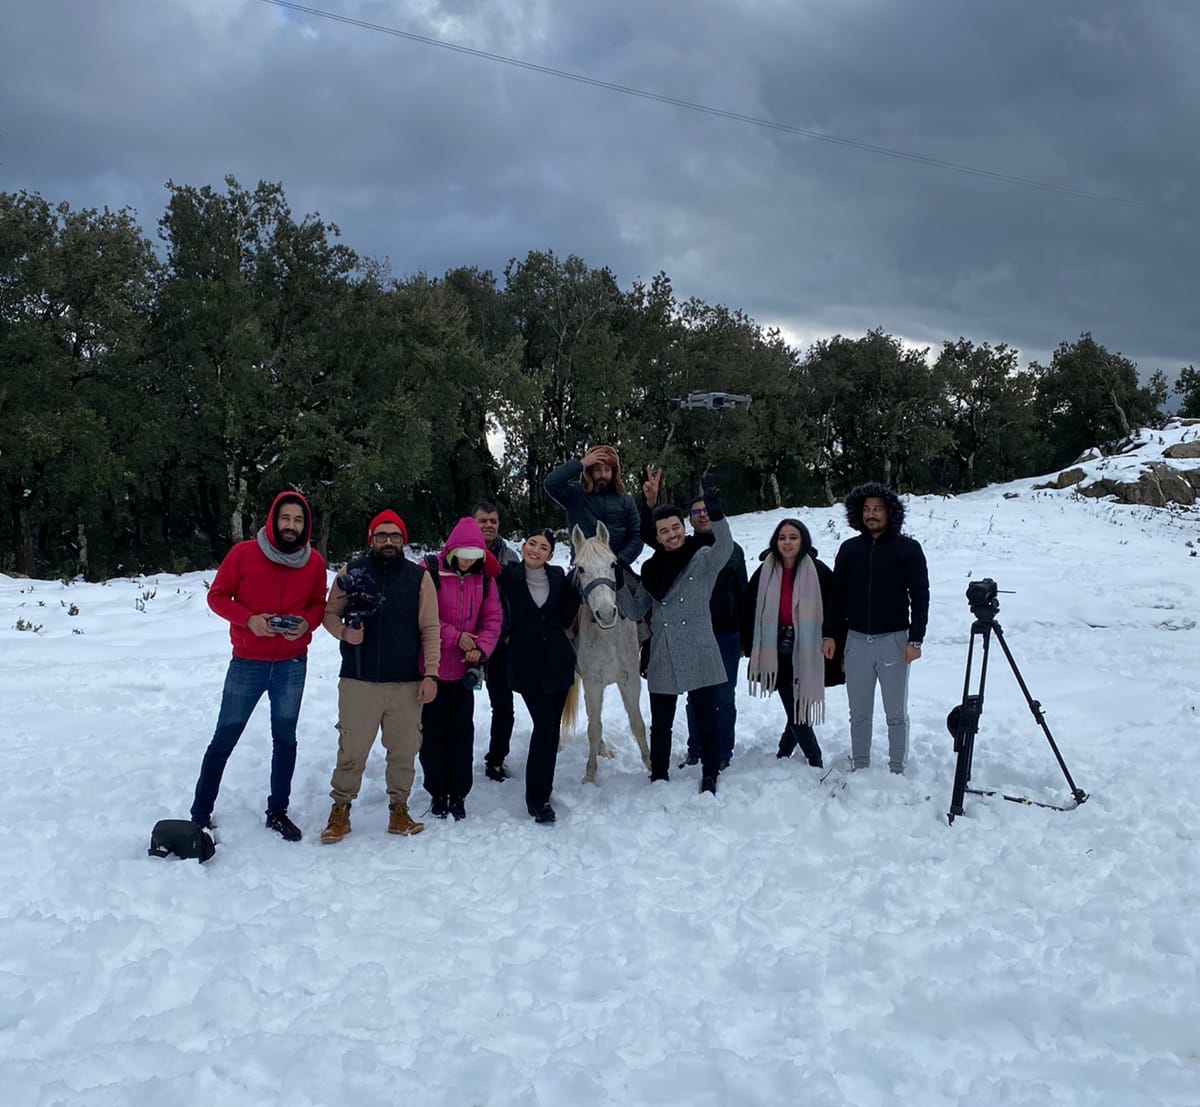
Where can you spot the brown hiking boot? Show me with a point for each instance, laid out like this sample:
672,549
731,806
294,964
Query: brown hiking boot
401,822
339,823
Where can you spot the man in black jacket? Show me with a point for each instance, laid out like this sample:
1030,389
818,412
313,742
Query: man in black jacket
499,689
384,611
880,598
725,607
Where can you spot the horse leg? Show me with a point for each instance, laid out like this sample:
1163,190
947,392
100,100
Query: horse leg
631,694
593,694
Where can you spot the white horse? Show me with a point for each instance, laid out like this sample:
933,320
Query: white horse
607,648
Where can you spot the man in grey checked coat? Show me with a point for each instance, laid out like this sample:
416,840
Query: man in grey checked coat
675,590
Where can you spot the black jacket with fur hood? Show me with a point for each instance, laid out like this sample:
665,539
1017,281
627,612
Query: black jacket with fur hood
880,585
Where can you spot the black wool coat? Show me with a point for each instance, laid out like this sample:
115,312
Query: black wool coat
540,656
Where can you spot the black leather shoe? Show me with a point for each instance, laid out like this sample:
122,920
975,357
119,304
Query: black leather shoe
495,772
691,759
708,783
440,807
283,826
544,814
457,808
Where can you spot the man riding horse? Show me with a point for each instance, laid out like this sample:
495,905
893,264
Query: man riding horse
589,489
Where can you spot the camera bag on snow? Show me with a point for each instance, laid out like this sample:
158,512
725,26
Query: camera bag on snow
181,838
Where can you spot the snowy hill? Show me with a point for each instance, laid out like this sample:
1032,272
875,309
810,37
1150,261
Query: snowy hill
786,942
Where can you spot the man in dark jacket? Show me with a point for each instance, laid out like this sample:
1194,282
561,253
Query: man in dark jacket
499,688
384,611
590,490
880,599
725,607
271,591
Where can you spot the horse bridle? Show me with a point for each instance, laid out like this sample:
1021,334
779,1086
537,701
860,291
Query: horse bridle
591,586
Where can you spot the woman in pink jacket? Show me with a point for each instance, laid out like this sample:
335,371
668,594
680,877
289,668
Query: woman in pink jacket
470,615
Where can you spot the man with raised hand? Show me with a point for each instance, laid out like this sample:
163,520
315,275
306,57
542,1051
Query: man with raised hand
589,489
384,611
880,600
725,607
271,590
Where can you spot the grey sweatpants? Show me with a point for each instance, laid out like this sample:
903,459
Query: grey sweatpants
871,658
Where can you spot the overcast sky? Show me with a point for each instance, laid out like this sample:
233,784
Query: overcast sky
436,159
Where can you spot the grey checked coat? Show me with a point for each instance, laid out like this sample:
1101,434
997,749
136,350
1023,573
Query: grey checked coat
683,649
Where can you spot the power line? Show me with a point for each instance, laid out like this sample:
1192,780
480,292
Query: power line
737,117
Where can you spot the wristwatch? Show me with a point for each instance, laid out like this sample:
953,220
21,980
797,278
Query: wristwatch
917,644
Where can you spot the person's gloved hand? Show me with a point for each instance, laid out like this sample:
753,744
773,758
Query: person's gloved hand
712,497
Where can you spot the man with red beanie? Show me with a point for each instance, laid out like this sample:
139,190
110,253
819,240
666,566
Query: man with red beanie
384,611
271,589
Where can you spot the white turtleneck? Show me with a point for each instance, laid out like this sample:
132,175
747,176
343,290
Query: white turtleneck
538,582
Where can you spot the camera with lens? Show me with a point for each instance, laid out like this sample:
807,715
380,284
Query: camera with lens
982,599
473,678
362,598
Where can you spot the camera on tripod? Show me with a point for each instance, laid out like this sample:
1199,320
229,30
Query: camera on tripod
963,720
983,599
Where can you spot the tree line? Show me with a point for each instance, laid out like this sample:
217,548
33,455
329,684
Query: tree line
152,400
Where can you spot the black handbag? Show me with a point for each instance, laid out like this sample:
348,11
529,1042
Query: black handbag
181,838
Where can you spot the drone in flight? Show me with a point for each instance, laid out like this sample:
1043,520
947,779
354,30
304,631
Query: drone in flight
711,401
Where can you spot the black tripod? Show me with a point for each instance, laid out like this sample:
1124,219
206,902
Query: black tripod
963,721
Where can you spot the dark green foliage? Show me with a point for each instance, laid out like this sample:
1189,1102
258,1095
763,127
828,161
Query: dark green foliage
1090,397
1188,386
151,407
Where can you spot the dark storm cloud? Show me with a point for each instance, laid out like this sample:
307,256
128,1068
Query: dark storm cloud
436,159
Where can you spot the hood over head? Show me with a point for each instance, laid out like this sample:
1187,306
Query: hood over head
864,492
272,527
466,535
588,485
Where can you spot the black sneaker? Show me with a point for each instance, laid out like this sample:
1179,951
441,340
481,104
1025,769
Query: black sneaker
283,826
708,783
457,808
691,759
439,808
725,763
495,772
544,814
658,776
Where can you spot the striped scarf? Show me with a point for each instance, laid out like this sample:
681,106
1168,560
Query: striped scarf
808,665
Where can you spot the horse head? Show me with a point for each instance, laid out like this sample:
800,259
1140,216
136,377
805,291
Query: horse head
596,575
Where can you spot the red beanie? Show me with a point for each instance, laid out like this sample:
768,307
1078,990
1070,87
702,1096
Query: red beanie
388,516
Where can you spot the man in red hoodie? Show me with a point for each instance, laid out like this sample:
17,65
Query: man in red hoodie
271,589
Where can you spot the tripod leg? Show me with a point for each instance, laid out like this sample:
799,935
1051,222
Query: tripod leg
968,712
1035,708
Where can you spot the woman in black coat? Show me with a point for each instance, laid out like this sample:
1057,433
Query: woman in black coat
541,603
791,663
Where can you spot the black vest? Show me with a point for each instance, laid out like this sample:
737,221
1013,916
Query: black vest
391,642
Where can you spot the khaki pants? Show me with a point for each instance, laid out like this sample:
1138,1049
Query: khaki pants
364,708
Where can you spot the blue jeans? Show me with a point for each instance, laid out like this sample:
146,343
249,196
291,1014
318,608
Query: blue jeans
731,653
245,683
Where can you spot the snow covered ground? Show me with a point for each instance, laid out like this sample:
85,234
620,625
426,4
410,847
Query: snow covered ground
784,943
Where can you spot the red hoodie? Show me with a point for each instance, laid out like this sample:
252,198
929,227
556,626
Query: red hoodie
250,583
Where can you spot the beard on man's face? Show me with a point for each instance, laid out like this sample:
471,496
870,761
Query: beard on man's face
601,487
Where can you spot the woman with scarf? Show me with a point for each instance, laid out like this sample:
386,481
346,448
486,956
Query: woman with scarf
782,612
675,590
542,603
